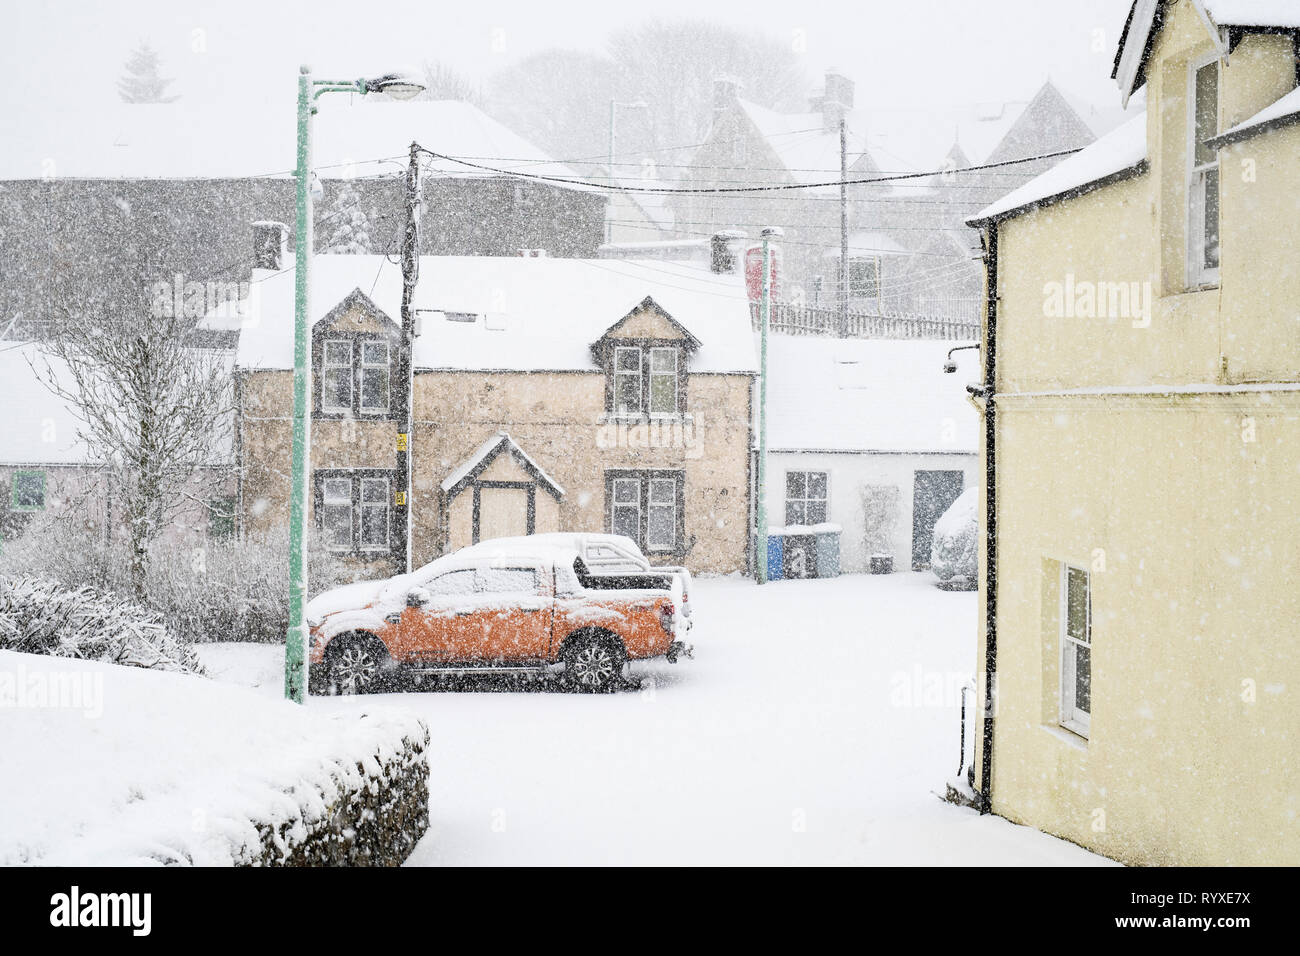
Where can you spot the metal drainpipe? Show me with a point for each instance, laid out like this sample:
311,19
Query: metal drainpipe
990,518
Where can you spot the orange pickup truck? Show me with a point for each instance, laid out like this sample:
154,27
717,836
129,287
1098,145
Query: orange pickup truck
510,610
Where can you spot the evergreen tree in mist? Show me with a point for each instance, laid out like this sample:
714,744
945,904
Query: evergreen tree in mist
143,82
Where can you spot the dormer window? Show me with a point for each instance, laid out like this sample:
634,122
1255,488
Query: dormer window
374,376
663,381
644,356
355,376
336,378
1203,175
627,380
646,379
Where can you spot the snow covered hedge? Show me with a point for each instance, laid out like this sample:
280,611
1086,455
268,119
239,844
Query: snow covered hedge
150,768
43,617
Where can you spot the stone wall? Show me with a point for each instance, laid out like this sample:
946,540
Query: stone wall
375,813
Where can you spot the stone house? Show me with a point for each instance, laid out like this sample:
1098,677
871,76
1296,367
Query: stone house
548,394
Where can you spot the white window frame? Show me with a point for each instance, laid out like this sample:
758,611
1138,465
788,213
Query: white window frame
326,396
362,544
620,373
1072,718
615,504
385,366
1198,275
806,499
652,505
671,374
327,502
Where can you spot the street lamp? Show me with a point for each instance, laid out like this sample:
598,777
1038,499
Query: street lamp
399,87
768,235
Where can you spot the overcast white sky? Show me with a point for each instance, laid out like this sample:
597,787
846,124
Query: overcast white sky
907,53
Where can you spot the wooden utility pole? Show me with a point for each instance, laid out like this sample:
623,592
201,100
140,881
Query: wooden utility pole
402,499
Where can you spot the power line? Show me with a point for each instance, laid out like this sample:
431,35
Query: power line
779,187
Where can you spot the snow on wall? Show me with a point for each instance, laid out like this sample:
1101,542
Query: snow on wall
108,765
868,395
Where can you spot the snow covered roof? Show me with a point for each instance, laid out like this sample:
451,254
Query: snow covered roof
1254,13
1284,112
528,314
894,140
38,427
1119,153
654,206
1145,18
487,452
180,141
868,395
808,151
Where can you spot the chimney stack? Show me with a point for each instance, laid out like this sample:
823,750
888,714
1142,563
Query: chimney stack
834,100
270,245
726,90
724,251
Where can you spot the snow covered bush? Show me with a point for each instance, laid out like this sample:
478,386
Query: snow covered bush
43,617
210,591
953,551
234,591
881,508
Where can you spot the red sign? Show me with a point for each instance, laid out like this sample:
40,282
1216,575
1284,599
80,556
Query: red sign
754,271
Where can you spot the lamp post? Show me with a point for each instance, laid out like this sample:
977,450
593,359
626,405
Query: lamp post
310,90
768,234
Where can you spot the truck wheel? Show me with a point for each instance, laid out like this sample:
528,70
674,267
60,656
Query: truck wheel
593,662
357,663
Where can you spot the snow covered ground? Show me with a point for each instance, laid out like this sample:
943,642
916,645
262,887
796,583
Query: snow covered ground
816,725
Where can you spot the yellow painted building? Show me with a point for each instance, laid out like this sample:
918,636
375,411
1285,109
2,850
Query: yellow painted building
1141,404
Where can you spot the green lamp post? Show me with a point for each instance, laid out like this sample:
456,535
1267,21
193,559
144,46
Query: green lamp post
309,90
768,234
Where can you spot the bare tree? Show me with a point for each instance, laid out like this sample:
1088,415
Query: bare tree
671,64
560,98
441,82
151,408
557,99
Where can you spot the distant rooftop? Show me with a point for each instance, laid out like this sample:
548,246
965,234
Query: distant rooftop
178,141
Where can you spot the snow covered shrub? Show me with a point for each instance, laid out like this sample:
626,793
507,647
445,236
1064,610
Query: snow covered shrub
233,590
210,591
64,549
953,550
43,617
881,507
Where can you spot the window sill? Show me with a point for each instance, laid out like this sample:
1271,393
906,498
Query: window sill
366,416
613,418
1189,292
1066,735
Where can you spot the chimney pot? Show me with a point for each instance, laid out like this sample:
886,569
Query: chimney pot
270,244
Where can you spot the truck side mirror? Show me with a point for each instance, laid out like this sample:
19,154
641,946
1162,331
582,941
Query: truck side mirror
417,597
